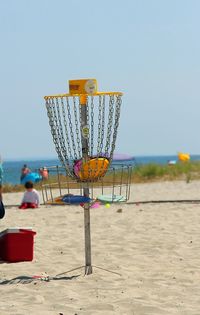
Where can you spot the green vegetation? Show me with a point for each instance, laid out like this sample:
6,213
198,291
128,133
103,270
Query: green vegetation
156,172
141,173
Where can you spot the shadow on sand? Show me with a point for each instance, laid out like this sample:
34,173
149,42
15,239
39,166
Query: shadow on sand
27,279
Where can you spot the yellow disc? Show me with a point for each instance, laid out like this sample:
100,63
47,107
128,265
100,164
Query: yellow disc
93,169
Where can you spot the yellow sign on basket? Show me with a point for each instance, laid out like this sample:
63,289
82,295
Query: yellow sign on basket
83,86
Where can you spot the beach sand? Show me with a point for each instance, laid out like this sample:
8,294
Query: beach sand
151,252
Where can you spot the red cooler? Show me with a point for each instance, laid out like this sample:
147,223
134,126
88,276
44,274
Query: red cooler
16,244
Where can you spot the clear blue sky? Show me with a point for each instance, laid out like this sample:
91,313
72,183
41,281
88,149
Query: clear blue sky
148,49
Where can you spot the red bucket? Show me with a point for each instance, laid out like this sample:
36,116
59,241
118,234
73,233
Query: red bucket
17,244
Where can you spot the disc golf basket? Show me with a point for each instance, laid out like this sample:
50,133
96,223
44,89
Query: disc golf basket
114,187
84,126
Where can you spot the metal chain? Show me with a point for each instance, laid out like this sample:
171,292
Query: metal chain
60,132
102,136
87,123
50,105
77,129
66,151
102,124
116,124
67,130
80,120
99,126
57,130
71,129
92,126
110,122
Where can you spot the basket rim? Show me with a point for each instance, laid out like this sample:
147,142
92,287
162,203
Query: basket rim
78,95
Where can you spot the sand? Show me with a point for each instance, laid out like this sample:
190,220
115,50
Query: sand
151,252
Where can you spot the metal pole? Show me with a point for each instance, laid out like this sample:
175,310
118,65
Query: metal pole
88,260
84,141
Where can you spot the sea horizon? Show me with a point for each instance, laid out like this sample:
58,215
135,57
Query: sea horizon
38,158
12,167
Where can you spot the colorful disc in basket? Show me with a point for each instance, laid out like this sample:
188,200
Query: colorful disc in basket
111,198
92,169
75,199
57,200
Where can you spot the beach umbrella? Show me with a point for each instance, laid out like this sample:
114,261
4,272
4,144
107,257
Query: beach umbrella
122,157
183,157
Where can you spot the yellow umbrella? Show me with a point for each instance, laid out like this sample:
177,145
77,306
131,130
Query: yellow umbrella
183,157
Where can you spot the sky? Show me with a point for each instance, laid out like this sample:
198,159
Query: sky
147,49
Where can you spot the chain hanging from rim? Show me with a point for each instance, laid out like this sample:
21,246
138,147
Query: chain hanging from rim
84,132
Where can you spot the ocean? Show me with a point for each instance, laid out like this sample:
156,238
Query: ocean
12,169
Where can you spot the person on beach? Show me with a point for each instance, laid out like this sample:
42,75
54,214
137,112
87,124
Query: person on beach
24,171
0,192
44,172
1,178
30,198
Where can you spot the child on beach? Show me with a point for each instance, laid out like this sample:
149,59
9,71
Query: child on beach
30,198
